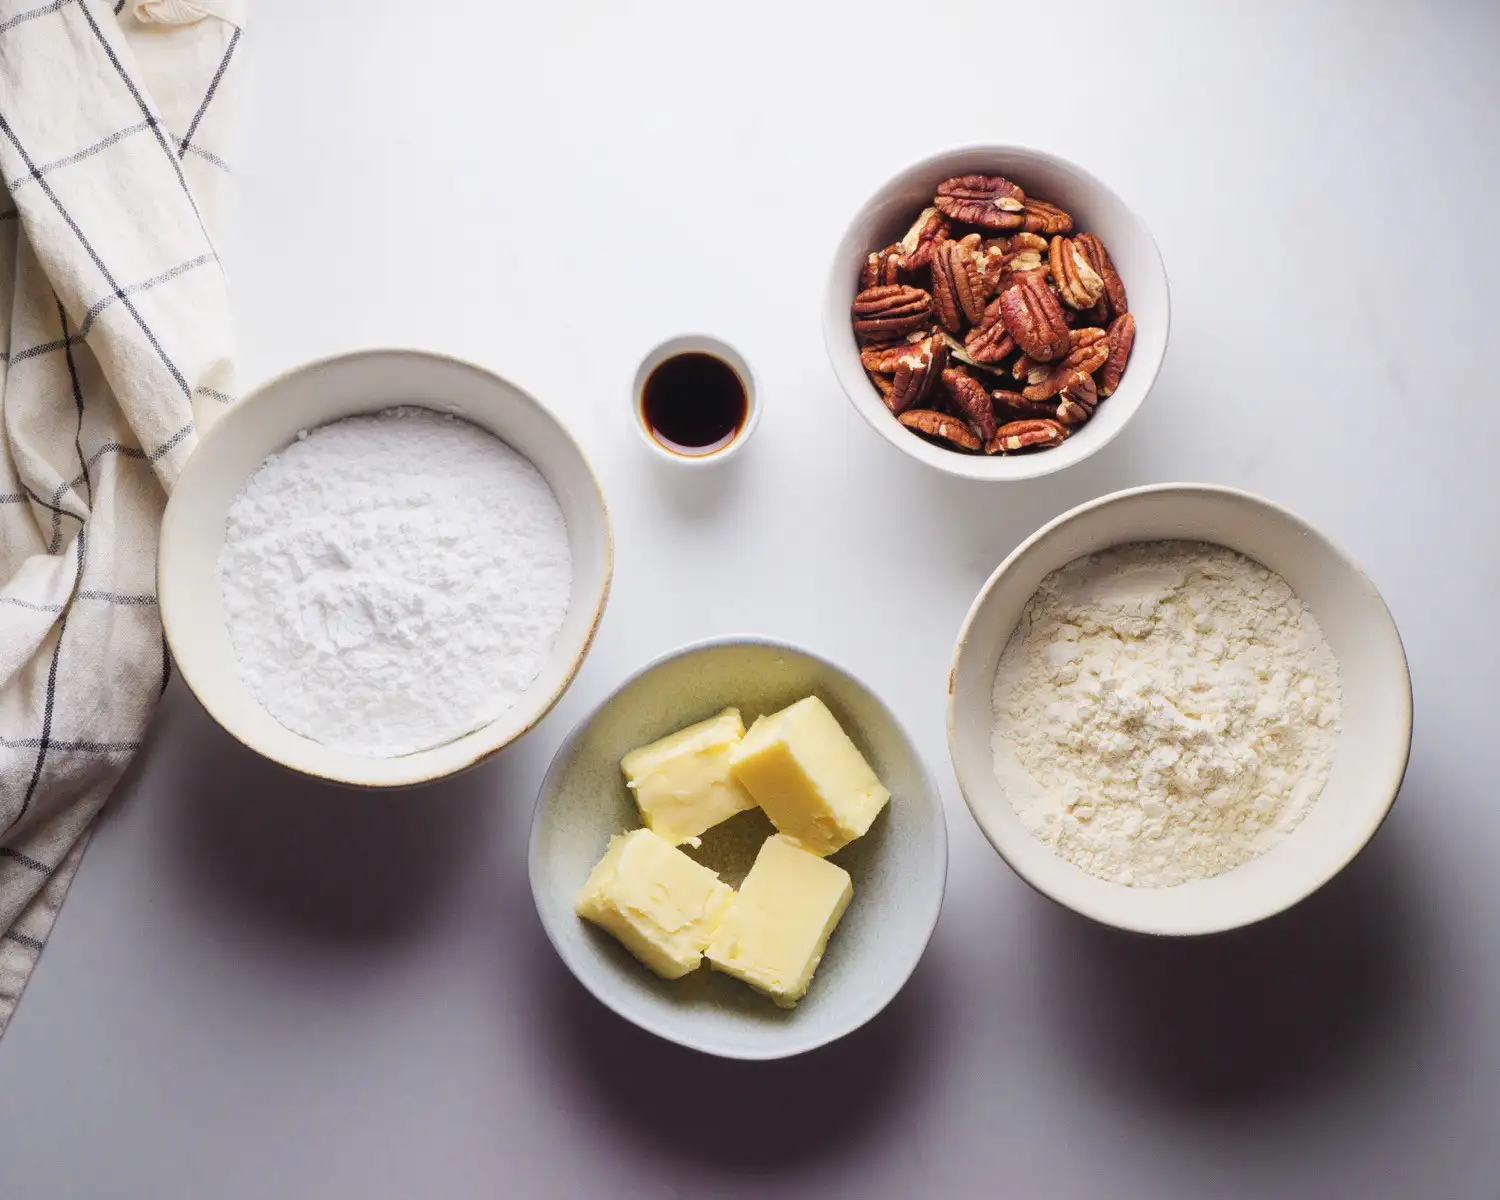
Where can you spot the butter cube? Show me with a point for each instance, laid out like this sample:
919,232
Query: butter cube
778,927
661,905
682,784
810,779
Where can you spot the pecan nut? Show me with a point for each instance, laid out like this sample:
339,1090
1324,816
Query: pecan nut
1034,318
988,201
1113,301
891,311
885,357
1037,216
914,367
1027,435
1027,255
917,374
1015,402
1079,285
881,267
1121,338
958,289
926,232
972,399
1089,350
941,426
1077,400
958,353
989,342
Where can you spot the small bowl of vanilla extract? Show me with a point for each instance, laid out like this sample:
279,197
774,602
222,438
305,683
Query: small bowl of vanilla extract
695,401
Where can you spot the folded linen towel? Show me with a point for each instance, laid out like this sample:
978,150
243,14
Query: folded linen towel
115,355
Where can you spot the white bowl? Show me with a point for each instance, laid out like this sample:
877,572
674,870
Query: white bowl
1095,208
899,868
696,343
192,535
1369,761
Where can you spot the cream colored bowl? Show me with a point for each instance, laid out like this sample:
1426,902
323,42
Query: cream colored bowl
192,535
888,214
1369,761
899,867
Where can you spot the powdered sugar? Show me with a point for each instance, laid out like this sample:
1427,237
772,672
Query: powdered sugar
393,582
1164,712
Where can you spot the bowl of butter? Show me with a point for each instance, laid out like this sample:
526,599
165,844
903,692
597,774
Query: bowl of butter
740,850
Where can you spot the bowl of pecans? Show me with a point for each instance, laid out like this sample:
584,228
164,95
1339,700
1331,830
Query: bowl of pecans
996,312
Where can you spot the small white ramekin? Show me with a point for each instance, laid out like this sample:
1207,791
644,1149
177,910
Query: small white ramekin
696,343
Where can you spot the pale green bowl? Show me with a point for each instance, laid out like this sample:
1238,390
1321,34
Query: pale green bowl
899,868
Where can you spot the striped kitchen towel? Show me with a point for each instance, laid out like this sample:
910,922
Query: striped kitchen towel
115,354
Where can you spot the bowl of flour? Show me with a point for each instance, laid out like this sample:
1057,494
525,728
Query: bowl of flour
1179,709
382,568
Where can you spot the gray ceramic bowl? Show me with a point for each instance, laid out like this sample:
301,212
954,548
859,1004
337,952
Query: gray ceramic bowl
899,868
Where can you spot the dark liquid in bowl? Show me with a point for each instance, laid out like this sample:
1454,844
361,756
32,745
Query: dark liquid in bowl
694,404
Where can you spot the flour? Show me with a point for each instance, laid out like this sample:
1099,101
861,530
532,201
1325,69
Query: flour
393,582
1164,711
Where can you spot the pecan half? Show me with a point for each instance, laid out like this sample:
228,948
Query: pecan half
1034,318
1114,287
1088,351
891,311
914,367
958,290
958,353
989,342
1121,339
918,373
1080,340
941,426
1077,400
1015,402
1037,216
972,399
881,267
1027,368
926,232
989,201
1079,285
1027,435
885,357
991,261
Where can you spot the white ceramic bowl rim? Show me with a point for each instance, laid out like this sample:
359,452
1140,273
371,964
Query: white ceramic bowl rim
1140,275
565,751
437,762
1289,897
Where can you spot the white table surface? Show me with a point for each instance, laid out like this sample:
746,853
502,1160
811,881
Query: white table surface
262,987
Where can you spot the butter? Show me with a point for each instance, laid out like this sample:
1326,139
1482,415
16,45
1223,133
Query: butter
810,779
661,905
683,784
778,927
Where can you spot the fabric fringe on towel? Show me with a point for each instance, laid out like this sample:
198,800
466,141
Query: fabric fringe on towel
115,354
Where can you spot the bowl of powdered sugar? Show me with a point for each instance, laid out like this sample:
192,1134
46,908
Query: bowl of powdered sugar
382,568
1179,709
